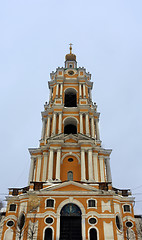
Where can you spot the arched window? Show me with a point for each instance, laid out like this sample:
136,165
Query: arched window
48,234
127,208
70,126
50,203
70,98
12,207
93,234
91,203
70,176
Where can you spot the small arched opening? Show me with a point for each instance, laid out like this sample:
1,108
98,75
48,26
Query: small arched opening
70,126
48,234
70,222
92,234
70,176
70,97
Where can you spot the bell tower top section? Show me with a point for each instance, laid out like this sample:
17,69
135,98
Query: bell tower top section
70,59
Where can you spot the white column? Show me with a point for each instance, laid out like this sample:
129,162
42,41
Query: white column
38,168
97,129
84,90
108,170
48,127
43,128
87,123
54,124
57,89
58,164
90,165
81,123
92,127
60,123
80,94
31,171
95,163
83,170
102,174
44,167
50,165
61,90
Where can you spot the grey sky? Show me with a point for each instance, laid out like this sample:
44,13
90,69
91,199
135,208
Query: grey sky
107,39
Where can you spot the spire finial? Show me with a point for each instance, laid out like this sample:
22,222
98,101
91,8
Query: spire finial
70,48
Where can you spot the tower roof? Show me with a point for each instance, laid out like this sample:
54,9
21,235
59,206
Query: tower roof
70,56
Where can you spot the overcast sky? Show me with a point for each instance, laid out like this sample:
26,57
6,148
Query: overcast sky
107,39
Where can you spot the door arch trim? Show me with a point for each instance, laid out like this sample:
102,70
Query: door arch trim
80,205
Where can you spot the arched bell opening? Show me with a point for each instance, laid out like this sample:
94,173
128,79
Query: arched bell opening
48,235
70,222
70,126
70,98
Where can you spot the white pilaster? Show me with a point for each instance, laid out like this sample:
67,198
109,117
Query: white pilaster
80,93
54,124
97,130
44,167
83,170
38,168
90,165
50,165
50,96
90,94
108,170
43,128
60,123
102,173
92,127
48,127
58,164
57,89
87,123
61,90
84,91
31,171
81,123
95,163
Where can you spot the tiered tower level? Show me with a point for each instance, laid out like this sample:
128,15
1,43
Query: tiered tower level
70,193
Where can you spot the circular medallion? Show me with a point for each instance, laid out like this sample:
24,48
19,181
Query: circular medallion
49,220
71,72
129,224
70,160
92,220
10,223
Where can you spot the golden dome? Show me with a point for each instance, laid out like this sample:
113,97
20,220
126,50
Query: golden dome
70,56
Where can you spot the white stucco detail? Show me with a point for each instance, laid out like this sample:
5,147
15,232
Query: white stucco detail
32,230
106,206
23,207
108,231
8,234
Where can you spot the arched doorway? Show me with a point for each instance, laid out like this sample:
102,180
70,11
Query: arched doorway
93,234
70,222
48,234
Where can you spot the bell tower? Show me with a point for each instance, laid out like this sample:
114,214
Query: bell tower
70,130
70,193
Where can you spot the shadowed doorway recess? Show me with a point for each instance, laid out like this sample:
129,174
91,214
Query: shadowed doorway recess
70,222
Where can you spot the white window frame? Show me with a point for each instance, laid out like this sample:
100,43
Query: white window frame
49,199
88,203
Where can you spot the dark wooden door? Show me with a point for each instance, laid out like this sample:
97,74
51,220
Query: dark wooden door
70,228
